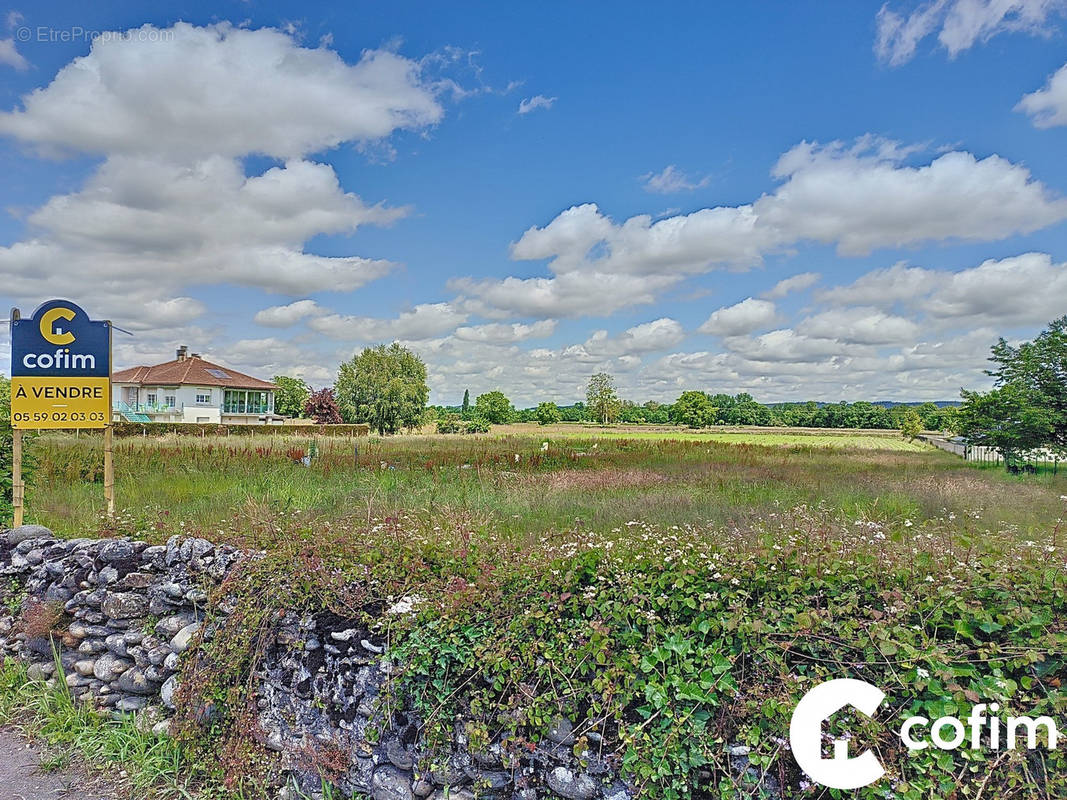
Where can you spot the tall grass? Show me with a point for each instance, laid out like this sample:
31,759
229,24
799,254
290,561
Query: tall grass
137,762
523,485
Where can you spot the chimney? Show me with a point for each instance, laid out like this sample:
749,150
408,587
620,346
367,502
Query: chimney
182,352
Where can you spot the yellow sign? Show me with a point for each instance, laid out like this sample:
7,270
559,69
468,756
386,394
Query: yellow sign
60,402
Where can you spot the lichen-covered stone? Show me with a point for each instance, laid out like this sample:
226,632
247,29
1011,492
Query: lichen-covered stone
24,533
133,681
573,786
183,638
124,605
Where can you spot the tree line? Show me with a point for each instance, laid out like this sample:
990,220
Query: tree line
1026,411
385,387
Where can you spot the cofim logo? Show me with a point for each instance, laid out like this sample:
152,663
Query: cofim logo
805,734
842,771
52,333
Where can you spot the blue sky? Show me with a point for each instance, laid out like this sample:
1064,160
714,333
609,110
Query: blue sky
528,194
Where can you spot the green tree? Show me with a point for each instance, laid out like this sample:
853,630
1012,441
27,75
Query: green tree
601,398
657,413
694,409
949,420
465,410
384,386
493,407
1039,370
911,424
291,396
548,413
1007,418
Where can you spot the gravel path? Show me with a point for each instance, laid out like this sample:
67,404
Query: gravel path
21,776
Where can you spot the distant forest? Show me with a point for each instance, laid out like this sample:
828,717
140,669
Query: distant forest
743,409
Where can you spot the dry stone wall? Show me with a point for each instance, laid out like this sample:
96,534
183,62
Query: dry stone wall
112,618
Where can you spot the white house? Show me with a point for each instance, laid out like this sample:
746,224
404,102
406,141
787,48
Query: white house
190,389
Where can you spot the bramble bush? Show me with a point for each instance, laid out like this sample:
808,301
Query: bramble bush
670,647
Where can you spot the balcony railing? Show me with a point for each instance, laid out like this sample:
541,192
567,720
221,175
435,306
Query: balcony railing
146,408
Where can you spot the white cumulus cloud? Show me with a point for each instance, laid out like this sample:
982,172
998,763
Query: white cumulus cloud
504,333
744,317
220,90
288,315
860,326
794,283
424,321
859,197
1047,107
173,112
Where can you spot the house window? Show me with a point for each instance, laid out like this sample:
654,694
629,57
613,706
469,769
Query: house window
236,401
203,398
151,398
170,401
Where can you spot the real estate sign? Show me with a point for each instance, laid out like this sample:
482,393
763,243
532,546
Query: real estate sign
60,369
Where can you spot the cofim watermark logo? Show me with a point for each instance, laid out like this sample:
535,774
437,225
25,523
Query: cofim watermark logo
981,730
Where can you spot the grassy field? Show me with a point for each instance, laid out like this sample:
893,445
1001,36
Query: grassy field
522,481
811,437
670,591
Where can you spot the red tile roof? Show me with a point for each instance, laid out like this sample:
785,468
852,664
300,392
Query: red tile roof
191,370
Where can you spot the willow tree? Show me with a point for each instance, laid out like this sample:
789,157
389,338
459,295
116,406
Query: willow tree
385,387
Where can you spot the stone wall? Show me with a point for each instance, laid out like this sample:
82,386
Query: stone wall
117,615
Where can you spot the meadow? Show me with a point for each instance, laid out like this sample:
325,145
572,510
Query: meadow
672,593
520,479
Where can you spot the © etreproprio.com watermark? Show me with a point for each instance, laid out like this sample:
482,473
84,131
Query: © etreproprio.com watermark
76,33
982,729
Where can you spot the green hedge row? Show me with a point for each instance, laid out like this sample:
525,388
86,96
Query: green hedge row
202,429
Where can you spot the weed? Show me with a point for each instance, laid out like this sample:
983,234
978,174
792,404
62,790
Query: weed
42,618
154,766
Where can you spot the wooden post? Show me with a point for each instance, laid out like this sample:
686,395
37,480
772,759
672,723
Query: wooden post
16,476
109,464
109,472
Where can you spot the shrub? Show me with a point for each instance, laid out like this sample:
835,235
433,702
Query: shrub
548,413
477,425
322,407
453,423
450,423
41,618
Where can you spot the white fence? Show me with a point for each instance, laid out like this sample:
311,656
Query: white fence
990,455
969,452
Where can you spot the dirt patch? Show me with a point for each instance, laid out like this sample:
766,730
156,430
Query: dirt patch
602,479
22,776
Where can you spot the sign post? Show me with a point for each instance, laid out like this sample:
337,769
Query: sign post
60,378
16,476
